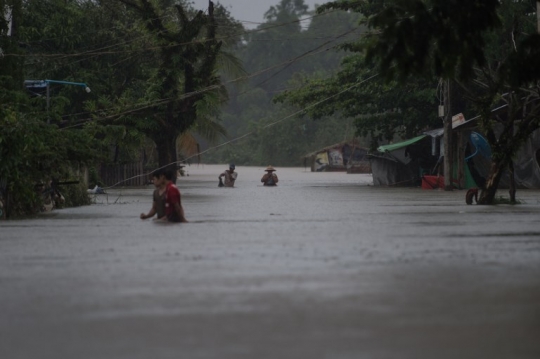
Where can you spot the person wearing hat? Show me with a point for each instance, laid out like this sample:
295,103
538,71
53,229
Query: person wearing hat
270,178
230,176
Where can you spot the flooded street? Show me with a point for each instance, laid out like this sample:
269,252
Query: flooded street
322,266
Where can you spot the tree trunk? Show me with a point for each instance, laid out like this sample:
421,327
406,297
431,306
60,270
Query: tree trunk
538,15
447,137
166,151
512,190
461,146
511,172
492,182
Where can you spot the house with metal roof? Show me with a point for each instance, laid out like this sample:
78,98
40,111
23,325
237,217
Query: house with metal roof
347,156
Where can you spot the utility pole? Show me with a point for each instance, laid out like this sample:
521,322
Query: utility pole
538,15
447,138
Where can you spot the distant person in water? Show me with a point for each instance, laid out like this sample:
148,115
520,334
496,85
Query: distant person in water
270,178
174,212
158,203
229,175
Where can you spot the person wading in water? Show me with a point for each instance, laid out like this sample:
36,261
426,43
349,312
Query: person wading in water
158,204
174,212
270,178
230,176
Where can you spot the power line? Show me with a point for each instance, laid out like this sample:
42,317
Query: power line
150,104
202,41
252,132
286,63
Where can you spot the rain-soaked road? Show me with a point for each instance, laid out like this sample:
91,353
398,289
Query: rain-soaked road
323,266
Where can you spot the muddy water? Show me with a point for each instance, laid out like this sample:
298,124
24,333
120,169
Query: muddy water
322,266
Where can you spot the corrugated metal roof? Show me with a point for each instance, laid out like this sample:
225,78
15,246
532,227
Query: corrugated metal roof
435,133
397,146
340,144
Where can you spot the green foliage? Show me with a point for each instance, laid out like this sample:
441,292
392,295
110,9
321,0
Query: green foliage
490,48
175,82
412,42
279,50
509,81
415,35
280,47
419,37
147,73
157,69
282,140
75,195
380,110
10,61
31,152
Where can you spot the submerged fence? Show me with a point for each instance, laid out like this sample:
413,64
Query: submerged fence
128,174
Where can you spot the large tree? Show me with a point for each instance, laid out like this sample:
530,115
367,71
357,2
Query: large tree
381,110
10,66
270,51
292,44
185,74
489,48
30,149
489,44
508,82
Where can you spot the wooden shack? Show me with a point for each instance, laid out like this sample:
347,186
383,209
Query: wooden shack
346,156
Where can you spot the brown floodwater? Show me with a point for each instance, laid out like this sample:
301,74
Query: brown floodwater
322,266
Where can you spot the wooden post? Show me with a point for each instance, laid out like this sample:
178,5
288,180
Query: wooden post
85,175
461,145
511,171
139,173
538,15
447,138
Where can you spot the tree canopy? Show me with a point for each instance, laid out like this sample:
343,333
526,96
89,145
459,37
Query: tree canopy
490,48
290,45
153,72
162,72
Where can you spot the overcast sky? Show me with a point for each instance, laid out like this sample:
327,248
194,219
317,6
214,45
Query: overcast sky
249,12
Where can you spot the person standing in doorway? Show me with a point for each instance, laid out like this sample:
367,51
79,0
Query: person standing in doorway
174,212
158,204
230,176
270,178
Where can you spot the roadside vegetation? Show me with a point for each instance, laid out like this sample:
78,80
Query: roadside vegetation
489,49
171,81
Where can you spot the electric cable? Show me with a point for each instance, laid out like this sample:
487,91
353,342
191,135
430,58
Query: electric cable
288,62
250,132
202,41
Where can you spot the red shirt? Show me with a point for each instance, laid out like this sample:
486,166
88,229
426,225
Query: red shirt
172,196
